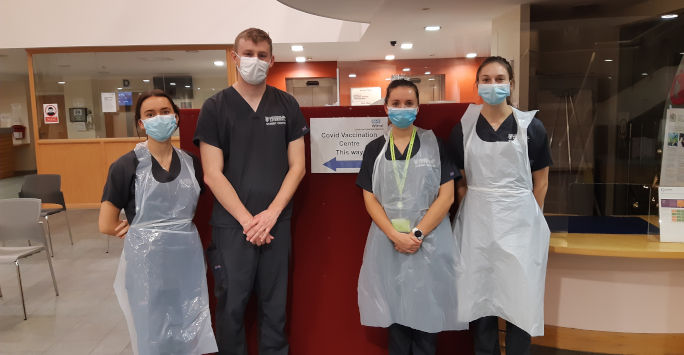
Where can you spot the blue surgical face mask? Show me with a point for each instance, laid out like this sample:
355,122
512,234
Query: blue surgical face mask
161,127
402,117
494,94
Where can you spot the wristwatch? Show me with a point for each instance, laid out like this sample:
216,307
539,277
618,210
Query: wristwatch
417,233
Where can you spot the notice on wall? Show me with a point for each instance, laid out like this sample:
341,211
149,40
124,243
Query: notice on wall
671,214
50,113
337,144
108,101
672,168
365,96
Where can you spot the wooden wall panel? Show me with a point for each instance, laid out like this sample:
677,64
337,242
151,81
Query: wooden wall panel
609,342
83,165
80,164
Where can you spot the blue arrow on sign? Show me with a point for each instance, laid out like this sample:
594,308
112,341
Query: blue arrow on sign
335,164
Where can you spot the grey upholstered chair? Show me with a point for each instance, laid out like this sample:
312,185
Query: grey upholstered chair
20,221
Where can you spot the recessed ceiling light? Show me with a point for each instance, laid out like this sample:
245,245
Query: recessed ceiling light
471,55
300,59
432,28
352,75
682,53
172,84
119,88
406,69
61,82
427,73
146,80
212,89
644,74
198,88
297,48
431,79
669,16
389,57
608,60
388,79
187,86
219,63
406,45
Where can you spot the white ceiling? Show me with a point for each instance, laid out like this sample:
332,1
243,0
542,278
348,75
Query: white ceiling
466,27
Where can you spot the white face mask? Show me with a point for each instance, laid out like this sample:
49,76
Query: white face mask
253,70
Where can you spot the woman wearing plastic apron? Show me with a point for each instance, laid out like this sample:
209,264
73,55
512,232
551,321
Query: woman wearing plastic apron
408,272
502,234
160,283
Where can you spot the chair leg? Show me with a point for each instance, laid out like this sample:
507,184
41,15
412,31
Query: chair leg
52,272
21,290
71,238
49,237
107,247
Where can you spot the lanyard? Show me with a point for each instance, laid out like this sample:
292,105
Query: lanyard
401,181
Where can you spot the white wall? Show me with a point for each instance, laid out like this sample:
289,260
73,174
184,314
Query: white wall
68,23
506,43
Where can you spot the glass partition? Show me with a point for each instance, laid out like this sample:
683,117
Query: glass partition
603,76
93,94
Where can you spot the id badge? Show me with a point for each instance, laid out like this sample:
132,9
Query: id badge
402,225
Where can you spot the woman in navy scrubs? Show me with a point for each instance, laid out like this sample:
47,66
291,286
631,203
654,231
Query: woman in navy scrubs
408,271
503,155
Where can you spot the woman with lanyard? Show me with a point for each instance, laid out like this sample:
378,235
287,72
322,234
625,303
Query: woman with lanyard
406,280
160,284
503,238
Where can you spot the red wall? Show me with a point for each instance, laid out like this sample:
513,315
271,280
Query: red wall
329,229
283,70
459,85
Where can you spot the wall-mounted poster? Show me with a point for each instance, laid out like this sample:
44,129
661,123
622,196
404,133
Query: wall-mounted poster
365,96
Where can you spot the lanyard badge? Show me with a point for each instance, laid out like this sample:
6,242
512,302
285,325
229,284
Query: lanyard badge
401,180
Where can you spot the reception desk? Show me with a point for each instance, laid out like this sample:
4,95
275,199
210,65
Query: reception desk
614,294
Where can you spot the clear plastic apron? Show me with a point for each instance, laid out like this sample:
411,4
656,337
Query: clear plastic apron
501,231
413,290
161,280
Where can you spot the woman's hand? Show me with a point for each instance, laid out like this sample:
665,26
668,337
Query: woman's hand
406,243
121,229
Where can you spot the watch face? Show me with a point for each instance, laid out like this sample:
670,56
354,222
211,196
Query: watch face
418,234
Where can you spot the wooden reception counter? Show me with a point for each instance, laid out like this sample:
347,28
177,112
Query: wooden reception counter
614,294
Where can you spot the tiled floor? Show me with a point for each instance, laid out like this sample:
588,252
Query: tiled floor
10,187
85,318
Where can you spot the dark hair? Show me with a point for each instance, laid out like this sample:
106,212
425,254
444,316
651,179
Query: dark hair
401,82
255,35
495,59
153,93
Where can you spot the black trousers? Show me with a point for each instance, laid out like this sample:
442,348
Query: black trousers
408,341
239,267
486,337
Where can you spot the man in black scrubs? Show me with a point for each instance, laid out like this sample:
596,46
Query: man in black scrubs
251,142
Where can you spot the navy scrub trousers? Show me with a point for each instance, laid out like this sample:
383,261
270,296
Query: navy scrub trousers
239,267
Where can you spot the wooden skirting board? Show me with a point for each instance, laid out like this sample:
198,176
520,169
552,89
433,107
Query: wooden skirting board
609,342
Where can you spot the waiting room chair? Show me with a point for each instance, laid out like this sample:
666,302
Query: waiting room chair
47,188
20,221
